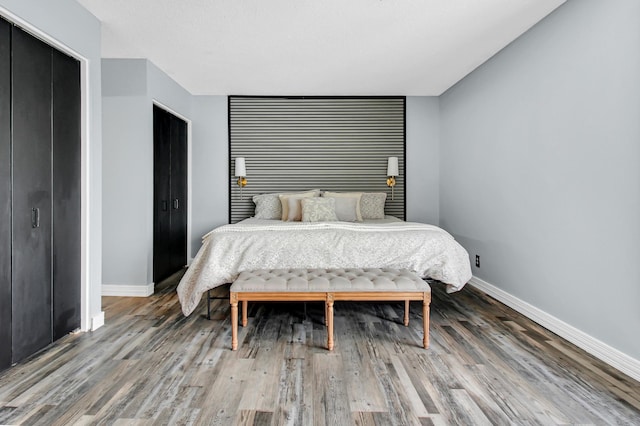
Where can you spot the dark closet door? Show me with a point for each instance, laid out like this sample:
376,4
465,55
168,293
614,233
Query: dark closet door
170,194
162,203
31,264
5,194
178,193
66,194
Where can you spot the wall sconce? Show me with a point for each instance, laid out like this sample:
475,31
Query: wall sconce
392,172
241,173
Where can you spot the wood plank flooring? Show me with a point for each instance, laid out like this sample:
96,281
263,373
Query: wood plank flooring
151,365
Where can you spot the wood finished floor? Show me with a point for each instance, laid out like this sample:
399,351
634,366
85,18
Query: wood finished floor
151,365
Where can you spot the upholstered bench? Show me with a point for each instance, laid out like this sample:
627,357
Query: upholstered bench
328,285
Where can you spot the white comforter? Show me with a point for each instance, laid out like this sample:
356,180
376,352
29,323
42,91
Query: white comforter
266,244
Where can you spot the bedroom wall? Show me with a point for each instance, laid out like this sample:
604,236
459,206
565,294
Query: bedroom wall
539,169
423,159
83,36
210,191
130,86
124,100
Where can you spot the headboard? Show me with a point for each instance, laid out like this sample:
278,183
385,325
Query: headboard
328,143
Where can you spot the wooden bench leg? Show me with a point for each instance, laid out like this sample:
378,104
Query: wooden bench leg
233,299
406,313
245,305
326,312
425,319
329,320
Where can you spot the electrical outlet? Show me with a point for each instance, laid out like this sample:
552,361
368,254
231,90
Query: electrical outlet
477,261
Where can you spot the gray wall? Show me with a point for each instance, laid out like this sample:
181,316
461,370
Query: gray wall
73,26
423,159
130,86
210,190
540,171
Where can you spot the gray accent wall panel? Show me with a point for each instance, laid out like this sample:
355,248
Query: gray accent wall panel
333,144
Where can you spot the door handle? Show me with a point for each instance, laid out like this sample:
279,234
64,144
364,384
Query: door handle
164,205
35,217
175,204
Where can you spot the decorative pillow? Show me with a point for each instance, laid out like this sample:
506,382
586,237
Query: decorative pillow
346,208
294,213
343,208
319,210
268,206
285,203
372,205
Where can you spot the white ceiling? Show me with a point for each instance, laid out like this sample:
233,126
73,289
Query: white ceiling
314,47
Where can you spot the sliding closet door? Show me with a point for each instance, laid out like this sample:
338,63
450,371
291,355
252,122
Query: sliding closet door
162,203
66,194
31,265
178,193
5,194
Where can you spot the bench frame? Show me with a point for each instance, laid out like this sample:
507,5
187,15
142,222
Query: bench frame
329,298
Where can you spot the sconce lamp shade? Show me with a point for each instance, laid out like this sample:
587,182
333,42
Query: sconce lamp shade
392,166
241,167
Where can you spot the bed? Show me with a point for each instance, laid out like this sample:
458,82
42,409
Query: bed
254,244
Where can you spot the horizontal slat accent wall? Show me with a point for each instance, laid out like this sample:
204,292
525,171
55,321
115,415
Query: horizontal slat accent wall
332,144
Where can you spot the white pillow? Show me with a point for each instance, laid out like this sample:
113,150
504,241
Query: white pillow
318,209
344,208
284,200
294,213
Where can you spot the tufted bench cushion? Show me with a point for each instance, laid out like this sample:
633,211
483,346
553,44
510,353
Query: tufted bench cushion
328,285
306,280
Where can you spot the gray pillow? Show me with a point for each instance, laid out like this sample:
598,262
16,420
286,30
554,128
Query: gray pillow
318,209
356,195
346,208
372,205
268,206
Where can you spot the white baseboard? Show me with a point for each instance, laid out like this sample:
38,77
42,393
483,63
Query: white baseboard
612,356
97,321
127,290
